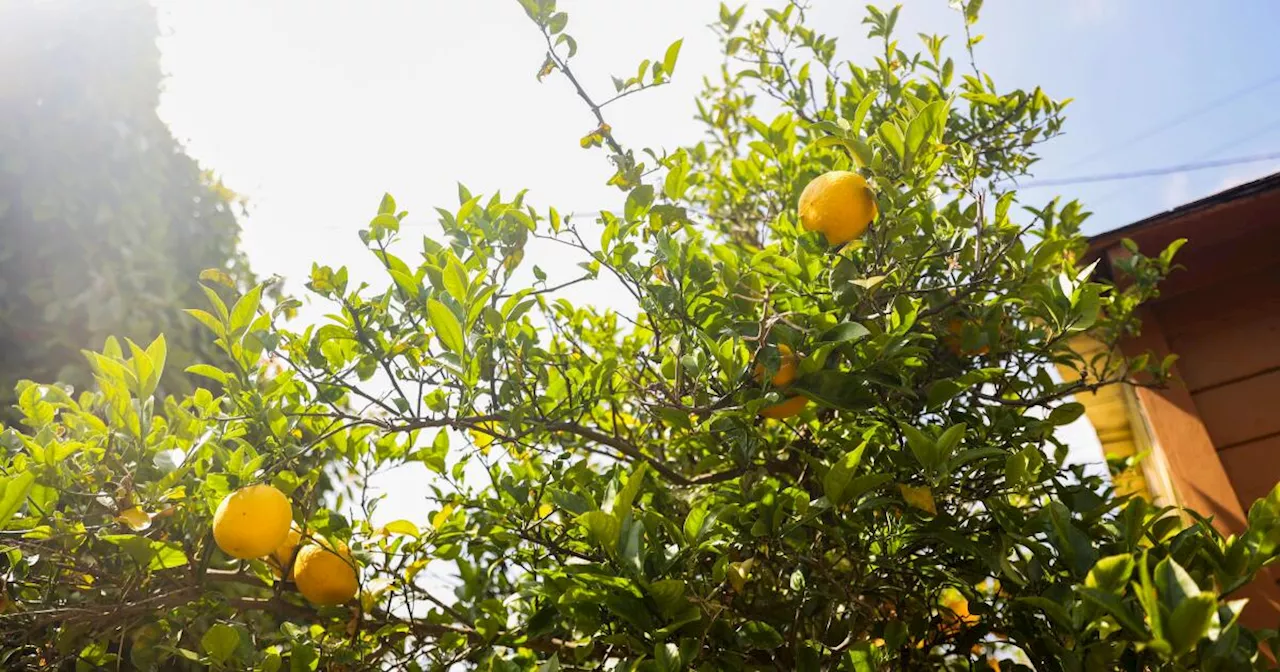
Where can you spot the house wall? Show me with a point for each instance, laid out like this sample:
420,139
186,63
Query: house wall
1215,430
1227,338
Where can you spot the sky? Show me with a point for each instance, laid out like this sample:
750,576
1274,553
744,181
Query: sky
313,109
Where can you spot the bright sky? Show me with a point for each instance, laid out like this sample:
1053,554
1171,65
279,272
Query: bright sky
313,109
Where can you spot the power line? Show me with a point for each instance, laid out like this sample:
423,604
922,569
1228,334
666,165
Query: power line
1178,120
1151,172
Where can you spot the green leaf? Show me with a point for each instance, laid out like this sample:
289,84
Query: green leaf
669,58
220,641
157,352
859,658
895,634
383,223
1190,621
864,107
846,332
603,528
697,523
448,328
1173,583
455,279
207,320
557,22
760,635
166,555
387,206
1111,573
892,138
667,657
942,391
405,527
924,448
209,371
1055,611
917,133
406,283
949,440
631,545
669,594
626,496
573,49
637,205
304,658
1065,414
218,276
864,484
835,484
13,492
1116,608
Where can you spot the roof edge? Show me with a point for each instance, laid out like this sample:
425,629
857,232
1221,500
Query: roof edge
1257,187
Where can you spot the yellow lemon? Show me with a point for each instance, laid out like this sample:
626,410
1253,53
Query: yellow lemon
957,616
786,370
283,555
786,409
252,522
325,575
838,204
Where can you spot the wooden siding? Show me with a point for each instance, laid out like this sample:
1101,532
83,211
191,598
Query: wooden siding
1242,462
1225,332
1243,411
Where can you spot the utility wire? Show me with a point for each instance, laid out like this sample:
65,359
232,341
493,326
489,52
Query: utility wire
1178,120
1150,172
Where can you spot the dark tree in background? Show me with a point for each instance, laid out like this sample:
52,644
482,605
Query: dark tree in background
105,221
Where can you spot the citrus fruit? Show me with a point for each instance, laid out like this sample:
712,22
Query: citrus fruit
325,574
956,616
252,522
786,370
954,340
785,409
283,555
839,205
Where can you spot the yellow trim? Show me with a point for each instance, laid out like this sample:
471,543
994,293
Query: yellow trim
1114,413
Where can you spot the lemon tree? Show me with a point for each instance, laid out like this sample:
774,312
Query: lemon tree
821,435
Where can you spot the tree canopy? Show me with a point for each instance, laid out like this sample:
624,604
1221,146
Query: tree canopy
105,221
605,491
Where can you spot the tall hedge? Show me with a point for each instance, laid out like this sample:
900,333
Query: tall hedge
105,221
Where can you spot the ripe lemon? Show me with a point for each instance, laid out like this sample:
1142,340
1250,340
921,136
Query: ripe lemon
325,575
957,616
786,409
283,555
839,204
252,522
786,370
954,340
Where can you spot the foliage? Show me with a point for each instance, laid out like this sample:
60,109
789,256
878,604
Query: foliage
104,219
604,493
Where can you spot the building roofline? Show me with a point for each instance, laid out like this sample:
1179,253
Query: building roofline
1249,189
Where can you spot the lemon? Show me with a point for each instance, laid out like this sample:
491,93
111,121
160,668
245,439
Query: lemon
785,409
838,204
252,522
325,575
283,555
955,329
957,616
786,370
